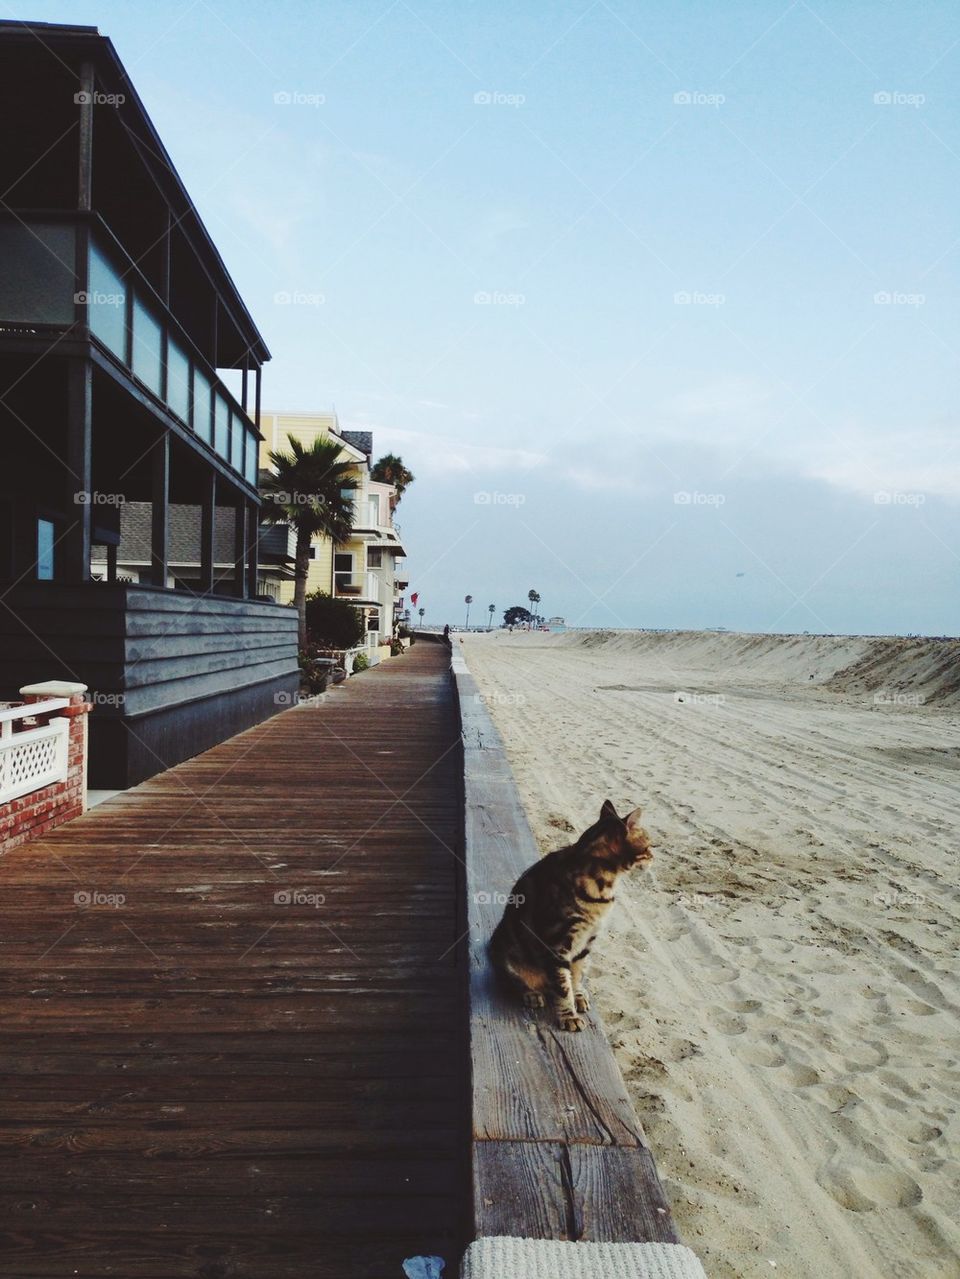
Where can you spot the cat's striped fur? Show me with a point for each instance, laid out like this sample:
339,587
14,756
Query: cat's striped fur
541,946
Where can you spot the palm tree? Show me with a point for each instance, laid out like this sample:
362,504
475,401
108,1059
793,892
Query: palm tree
421,611
491,609
390,469
468,600
308,489
534,599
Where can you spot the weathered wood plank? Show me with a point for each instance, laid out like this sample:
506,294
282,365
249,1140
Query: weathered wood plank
572,1191
558,1151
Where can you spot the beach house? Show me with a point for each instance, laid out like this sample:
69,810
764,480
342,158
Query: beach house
366,570
120,329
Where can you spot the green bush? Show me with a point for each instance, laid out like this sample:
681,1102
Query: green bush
360,662
333,623
396,647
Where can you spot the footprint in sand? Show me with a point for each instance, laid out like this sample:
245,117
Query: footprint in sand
720,973
746,1006
728,1023
867,1056
767,1055
796,1075
837,1099
861,1188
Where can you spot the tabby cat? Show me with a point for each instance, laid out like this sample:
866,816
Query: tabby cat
541,945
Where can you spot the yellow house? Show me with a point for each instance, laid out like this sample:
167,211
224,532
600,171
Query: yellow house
365,570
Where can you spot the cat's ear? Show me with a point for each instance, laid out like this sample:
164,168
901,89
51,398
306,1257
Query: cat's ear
633,819
608,812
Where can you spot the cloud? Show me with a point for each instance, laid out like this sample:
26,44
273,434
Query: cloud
922,460
437,454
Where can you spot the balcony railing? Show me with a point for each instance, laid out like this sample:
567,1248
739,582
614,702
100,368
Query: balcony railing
53,287
365,586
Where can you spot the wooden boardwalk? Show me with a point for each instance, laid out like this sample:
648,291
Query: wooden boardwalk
233,1007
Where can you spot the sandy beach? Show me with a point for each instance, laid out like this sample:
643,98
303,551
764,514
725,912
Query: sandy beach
781,989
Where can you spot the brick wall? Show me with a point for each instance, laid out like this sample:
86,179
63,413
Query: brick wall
33,814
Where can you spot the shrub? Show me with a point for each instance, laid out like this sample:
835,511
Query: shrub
396,647
360,663
314,673
333,623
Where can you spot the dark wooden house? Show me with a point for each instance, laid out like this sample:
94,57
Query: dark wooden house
118,320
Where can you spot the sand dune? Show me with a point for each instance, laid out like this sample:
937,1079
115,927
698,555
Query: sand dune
782,989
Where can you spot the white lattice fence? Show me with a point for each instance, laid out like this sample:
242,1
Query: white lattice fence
33,758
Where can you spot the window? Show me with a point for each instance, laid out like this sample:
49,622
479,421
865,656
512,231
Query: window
312,552
38,272
374,557
237,437
373,621
250,465
45,543
106,305
342,569
178,382
374,501
147,347
221,427
201,405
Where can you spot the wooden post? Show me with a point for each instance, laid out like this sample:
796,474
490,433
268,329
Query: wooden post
208,516
85,150
79,476
111,562
240,548
160,522
166,250
253,547
256,413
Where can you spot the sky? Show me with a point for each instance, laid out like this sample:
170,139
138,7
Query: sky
657,301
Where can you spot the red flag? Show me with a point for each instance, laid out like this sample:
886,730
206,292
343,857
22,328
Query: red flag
414,597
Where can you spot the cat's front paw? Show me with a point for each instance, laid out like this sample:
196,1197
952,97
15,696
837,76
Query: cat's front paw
533,999
582,1002
570,1021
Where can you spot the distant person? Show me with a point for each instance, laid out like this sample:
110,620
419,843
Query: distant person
446,634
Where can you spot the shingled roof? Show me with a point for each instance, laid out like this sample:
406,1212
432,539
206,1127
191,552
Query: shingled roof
362,440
